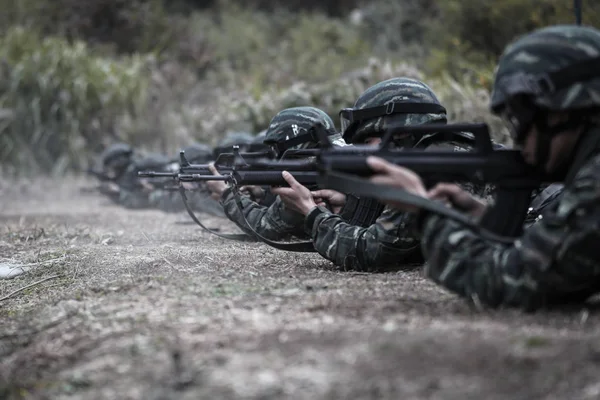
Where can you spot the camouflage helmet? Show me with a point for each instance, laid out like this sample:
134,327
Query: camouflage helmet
401,101
556,68
291,129
152,161
118,156
241,139
197,153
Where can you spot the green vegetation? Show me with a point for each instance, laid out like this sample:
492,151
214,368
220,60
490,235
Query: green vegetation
162,73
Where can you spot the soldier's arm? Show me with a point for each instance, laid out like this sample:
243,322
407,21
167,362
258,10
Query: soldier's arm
275,222
555,261
383,245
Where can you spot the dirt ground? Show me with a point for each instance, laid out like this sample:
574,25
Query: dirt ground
143,305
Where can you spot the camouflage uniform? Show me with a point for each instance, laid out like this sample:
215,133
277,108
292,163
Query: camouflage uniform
556,260
277,222
117,164
388,244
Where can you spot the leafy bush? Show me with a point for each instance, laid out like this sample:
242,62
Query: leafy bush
239,108
58,99
120,25
471,34
280,47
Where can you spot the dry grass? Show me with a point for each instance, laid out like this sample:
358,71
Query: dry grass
149,309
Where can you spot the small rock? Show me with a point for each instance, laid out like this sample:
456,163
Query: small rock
8,271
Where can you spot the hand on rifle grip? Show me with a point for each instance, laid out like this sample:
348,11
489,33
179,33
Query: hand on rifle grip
388,174
297,197
216,187
455,196
326,196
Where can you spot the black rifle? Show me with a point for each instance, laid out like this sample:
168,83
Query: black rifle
240,169
345,169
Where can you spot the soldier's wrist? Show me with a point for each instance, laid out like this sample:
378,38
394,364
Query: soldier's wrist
312,215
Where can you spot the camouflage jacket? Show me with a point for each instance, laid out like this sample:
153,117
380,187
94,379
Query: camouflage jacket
389,244
275,222
555,261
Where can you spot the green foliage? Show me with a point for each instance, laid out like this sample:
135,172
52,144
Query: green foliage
57,98
281,47
225,65
120,25
472,34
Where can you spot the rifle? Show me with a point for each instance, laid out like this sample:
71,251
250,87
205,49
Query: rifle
238,171
344,169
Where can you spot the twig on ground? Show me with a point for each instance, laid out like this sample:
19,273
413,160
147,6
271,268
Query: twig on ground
36,263
8,296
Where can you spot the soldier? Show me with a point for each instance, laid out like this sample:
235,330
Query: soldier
547,88
387,243
287,130
124,187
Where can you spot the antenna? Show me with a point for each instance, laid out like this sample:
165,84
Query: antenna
577,9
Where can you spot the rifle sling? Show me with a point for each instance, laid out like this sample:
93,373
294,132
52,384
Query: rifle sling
303,247
238,237
347,183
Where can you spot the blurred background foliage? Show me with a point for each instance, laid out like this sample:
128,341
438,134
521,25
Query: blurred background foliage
76,76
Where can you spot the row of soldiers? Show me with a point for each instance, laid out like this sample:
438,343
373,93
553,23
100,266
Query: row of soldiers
119,164
545,266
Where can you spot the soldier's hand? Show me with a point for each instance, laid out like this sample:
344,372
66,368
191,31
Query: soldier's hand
327,196
256,192
399,177
188,185
216,187
458,198
297,197
146,186
110,188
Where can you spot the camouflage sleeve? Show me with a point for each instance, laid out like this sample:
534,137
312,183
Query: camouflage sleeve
384,245
275,222
555,261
